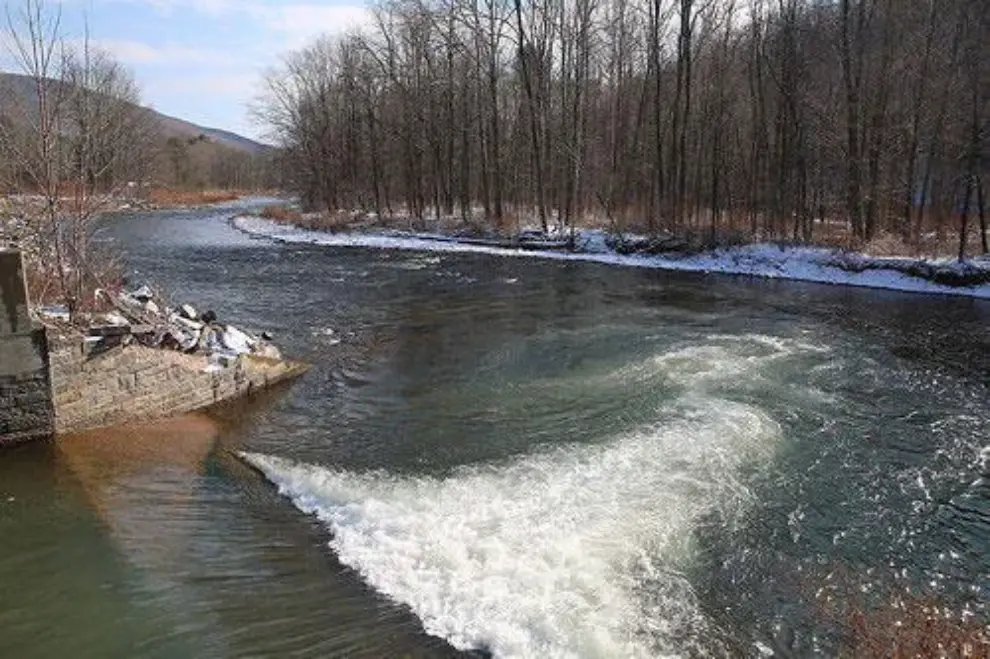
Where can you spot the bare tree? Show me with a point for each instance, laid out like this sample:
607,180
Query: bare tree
75,139
791,119
35,144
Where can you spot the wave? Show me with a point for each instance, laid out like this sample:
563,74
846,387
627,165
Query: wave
572,551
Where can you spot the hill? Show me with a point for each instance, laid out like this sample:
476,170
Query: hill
19,89
174,127
171,153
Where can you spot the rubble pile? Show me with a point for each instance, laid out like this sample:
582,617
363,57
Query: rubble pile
141,316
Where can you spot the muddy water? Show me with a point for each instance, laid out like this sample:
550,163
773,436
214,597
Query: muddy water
512,457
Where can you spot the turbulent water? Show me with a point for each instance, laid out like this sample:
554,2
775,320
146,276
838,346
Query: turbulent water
571,550
516,458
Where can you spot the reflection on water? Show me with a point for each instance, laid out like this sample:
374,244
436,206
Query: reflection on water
105,459
500,450
153,540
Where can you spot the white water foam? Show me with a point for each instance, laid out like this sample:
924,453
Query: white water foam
720,362
575,551
543,558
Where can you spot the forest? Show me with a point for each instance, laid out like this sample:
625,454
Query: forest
840,122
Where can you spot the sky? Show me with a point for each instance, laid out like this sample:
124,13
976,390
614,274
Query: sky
203,60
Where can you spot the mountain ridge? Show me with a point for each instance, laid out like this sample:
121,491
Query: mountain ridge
21,87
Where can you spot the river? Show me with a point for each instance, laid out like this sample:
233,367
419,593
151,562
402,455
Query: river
513,457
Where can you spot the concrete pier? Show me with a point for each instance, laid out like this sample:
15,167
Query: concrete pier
26,408
60,384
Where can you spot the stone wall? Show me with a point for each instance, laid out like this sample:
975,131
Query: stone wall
25,396
50,384
94,388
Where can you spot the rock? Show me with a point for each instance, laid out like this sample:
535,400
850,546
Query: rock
268,350
188,341
189,312
183,329
185,323
58,312
236,340
142,294
109,330
221,360
114,318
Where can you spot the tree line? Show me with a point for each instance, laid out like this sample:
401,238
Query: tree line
770,119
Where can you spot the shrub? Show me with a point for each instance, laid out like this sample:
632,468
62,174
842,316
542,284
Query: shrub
281,214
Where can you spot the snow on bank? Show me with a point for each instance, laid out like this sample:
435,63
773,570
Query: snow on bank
813,264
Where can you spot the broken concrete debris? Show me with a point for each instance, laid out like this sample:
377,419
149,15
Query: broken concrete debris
58,312
141,316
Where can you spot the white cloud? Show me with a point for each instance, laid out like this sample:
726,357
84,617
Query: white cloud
234,85
212,7
300,23
136,52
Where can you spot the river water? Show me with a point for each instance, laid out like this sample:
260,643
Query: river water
510,457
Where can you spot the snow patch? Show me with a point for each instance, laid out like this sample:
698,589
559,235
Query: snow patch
812,264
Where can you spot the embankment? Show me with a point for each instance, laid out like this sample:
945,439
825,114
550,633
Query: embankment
771,261
55,384
135,383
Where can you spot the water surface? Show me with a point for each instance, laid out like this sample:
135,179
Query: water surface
509,456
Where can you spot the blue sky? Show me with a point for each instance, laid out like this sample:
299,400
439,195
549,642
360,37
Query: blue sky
202,60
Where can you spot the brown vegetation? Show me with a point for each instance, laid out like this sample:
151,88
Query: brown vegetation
105,272
71,141
282,214
200,163
166,197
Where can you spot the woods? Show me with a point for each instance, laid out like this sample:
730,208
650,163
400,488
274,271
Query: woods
838,122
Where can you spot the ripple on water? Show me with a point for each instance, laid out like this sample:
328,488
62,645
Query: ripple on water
574,550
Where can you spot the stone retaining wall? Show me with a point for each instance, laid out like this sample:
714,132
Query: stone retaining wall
135,383
51,384
25,397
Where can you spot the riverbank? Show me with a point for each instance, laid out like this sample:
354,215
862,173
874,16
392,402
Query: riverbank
969,278
15,207
170,199
135,361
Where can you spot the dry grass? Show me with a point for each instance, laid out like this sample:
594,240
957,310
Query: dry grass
103,271
282,214
332,222
172,197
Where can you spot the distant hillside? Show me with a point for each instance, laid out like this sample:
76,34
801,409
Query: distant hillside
173,127
20,89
